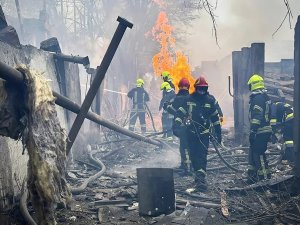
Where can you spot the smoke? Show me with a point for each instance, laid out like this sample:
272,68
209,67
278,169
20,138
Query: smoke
241,23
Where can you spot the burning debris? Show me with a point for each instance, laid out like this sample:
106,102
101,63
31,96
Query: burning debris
168,59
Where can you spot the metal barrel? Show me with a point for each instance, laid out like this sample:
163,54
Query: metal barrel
155,191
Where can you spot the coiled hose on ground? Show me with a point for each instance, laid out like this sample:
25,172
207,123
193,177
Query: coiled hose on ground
84,184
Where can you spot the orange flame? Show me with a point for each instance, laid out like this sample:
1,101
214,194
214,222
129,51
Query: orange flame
177,64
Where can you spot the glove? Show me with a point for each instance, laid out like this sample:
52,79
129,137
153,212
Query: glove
165,105
221,119
252,136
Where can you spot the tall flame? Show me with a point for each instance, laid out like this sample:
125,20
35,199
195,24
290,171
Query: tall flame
167,59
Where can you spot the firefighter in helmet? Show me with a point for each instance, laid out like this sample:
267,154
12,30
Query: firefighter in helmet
166,76
199,113
179,129
139,98
168,94
260,129
282,119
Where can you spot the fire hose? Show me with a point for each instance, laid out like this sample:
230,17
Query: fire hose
82,187
230,166
23,206
223,159
151,117
75,190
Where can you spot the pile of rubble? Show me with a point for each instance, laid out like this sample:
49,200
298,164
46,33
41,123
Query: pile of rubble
113,199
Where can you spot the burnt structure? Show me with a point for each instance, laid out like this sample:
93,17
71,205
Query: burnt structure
297,99
279,79
245,63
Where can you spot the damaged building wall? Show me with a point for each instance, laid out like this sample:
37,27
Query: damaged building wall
14,170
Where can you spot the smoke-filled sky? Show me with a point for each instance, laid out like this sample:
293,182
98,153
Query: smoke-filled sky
241,22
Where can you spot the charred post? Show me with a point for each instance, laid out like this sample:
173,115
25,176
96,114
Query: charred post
236,58
245,63
297,98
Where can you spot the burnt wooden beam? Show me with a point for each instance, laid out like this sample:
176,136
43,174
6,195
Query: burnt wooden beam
297,98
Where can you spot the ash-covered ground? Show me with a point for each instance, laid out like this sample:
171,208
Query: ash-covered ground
112,198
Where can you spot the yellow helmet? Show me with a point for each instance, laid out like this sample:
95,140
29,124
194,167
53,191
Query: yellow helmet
256,82
165,86
139,82
165,74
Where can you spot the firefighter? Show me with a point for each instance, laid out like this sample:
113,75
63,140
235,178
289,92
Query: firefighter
167,96
282,119
165,75
139,98
199,113
260,129
179,130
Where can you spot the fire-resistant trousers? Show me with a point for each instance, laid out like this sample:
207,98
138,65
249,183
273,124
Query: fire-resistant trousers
167,121
198,146
181,133
258,164
287,132
133,117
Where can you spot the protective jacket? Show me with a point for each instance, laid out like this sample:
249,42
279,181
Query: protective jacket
280,113
199,112
168,95
217,106
259,112
176,102
171,83
139,97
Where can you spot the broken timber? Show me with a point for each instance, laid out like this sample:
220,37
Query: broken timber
12,75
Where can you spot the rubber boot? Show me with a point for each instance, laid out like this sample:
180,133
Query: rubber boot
252,176
200,182
263,172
